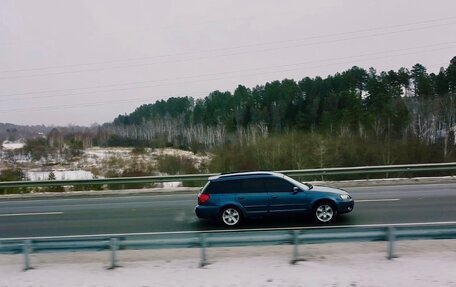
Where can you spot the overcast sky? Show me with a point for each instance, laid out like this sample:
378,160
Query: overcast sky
85,61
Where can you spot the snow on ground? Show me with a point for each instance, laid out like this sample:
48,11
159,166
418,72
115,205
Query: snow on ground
197,159
171,184
431,263
8,145
59,175
98,158
96,155
104,153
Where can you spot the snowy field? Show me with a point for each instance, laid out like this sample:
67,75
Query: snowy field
81,174
59,175
94,156
431,263
97,161
7,145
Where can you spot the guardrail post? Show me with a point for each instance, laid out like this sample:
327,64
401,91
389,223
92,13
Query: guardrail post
203,239
26,250
409,173
295,247
391,242
113,246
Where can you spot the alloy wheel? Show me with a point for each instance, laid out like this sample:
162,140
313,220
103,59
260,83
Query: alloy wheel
324,213
231,216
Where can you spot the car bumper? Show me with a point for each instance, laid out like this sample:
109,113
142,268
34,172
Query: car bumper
345,207
206,212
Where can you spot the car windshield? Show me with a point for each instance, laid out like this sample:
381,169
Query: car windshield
304,186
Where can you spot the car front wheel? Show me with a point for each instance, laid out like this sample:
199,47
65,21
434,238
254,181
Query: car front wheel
324,212
230,216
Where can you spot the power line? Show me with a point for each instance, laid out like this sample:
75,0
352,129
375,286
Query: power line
171,80
91,104
235,47
232,54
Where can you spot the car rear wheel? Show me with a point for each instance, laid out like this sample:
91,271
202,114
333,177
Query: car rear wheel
230,216
324,212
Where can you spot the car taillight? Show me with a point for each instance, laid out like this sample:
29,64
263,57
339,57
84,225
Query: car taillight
202,198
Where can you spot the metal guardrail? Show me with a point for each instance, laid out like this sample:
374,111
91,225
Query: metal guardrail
206,239
373,169
203,177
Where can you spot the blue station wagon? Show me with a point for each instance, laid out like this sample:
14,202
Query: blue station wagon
230,198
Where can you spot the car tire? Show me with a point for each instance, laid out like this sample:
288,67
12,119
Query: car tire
230,216
324,212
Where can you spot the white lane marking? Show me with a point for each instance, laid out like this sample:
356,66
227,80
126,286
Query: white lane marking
103,197
236,230
396,186
377,200
31,214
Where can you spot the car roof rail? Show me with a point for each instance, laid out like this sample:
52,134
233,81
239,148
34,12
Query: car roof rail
247,170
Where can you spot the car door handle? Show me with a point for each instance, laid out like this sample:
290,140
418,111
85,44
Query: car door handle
274,197
241,198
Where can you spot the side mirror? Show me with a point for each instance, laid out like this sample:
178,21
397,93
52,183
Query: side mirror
296,189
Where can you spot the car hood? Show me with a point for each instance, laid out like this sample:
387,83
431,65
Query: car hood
328,189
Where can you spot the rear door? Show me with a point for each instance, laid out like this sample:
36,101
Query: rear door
283,199
252,196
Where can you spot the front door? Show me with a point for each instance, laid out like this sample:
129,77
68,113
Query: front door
283,199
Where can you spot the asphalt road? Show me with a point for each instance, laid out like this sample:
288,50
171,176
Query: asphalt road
160,213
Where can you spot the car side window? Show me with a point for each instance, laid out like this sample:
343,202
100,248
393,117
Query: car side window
231,186
239,186
278,185
253,185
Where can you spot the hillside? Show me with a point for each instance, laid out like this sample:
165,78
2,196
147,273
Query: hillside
356,117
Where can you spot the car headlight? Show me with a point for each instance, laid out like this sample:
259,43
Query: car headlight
345,196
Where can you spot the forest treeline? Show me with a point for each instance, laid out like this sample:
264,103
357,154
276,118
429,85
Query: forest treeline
354,117
356,101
